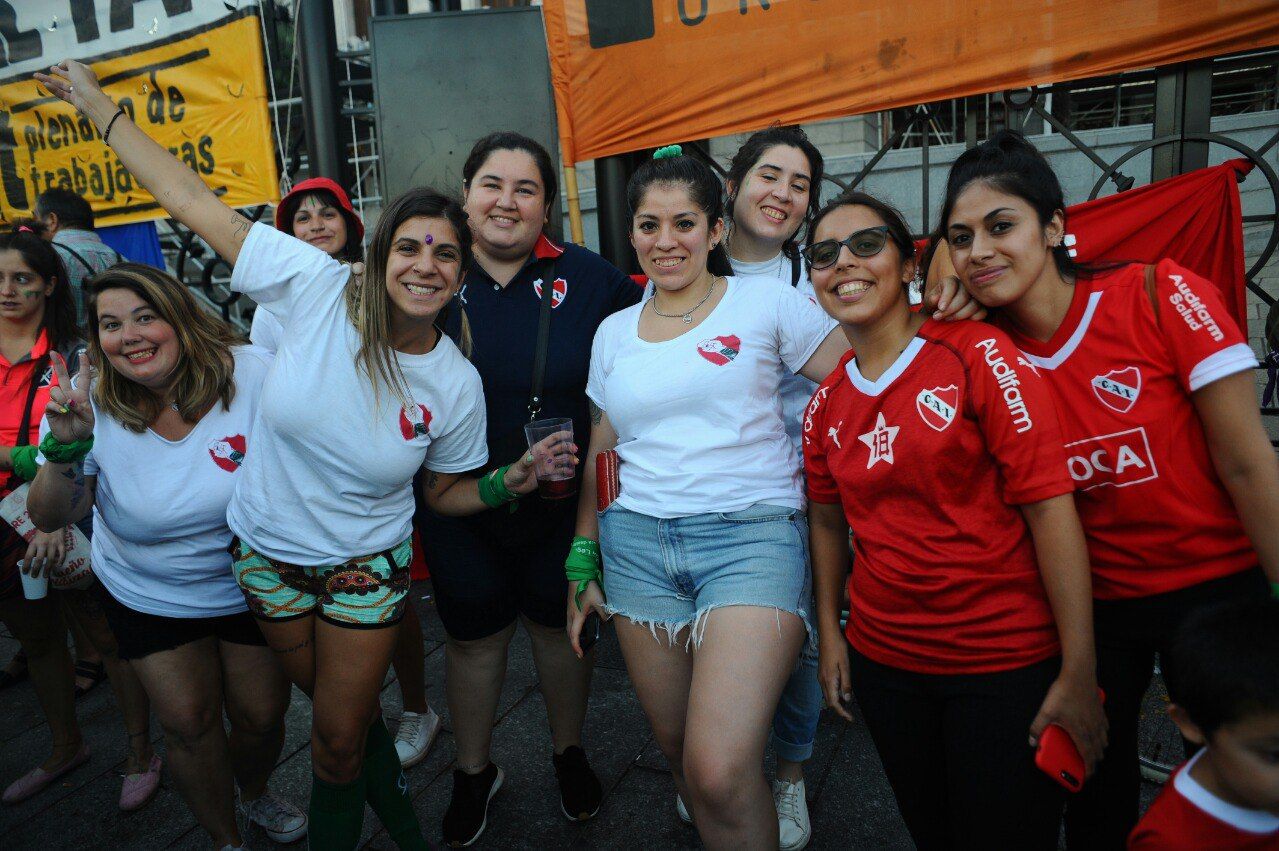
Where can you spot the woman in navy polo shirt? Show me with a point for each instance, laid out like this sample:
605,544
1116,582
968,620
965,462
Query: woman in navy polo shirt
498,566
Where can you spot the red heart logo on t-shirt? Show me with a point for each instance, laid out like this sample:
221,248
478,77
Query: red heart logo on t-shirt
414,421
720,350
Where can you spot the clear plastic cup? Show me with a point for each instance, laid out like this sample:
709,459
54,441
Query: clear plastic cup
556,474
32,588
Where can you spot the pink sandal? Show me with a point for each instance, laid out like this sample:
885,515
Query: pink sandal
139,788
37,779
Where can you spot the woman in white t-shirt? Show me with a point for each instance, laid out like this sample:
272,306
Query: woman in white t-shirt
707,541
160,442
365,391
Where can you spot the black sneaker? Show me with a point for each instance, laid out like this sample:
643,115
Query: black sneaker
467,815
580,790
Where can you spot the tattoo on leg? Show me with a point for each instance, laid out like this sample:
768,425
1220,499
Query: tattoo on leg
306,642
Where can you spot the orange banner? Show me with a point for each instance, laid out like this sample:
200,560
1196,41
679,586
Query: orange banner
631,74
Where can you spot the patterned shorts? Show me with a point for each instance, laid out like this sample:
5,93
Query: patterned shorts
368,591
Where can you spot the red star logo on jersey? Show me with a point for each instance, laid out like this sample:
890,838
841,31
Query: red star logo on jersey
880,440
559,289
1118,389
937,406
414,421
228,453
720,350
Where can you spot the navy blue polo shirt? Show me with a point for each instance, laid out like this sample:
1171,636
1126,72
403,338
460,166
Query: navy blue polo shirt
586,288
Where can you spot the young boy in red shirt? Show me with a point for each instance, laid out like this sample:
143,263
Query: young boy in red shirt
1222,672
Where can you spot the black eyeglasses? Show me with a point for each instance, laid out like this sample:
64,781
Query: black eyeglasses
863,243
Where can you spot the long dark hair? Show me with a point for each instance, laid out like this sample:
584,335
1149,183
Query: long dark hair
748,156
1010,164
704,190
368,302
507,140
59,320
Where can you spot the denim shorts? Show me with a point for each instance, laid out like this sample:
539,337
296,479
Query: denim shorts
669,573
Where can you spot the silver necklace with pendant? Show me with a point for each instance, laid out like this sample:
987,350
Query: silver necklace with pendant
687,317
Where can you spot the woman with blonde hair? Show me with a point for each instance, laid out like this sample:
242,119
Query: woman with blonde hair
154,449
366,390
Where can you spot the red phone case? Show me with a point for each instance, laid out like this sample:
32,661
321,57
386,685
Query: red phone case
1058,757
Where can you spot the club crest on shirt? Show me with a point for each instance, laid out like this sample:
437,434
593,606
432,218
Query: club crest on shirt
46,377
937,406
415,420
228,453
720,350
1118,389
559,289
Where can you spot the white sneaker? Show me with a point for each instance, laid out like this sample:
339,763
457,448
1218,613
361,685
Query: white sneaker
793,825
282,821
681,810
415,734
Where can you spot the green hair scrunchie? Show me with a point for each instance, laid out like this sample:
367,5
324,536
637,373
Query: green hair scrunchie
668,151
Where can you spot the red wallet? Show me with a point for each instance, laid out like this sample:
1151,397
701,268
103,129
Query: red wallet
607,484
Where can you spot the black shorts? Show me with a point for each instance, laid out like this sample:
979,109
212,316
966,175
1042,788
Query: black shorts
490,568
139,634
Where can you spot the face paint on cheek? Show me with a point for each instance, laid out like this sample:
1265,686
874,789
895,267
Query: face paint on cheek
32,293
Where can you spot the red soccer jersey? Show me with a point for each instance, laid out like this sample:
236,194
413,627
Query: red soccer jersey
1122,367
930,463
1187,817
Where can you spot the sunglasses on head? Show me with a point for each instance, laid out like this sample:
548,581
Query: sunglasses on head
863,243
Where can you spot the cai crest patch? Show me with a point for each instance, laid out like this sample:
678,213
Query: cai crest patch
559,289
415,421
720,350
228,453
1118,389
937,406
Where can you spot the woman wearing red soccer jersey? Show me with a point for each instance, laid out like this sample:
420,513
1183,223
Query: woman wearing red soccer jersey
970,619
1176,479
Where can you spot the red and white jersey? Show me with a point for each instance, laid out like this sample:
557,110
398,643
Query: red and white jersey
1187,817
1122,367
930,463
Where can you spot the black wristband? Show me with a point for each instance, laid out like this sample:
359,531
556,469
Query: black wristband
106,135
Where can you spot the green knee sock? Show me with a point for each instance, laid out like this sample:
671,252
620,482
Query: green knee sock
336,815
387,790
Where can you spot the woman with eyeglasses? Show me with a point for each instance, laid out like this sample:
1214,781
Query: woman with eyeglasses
970,610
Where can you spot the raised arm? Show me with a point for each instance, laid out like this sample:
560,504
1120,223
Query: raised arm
178,189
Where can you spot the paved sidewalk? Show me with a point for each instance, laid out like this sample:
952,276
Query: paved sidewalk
849,799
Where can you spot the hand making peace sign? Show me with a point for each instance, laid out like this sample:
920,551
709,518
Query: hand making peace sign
69,413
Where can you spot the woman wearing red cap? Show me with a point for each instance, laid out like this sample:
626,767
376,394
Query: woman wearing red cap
319,212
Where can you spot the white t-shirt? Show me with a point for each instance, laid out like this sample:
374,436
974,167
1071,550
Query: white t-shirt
160,534
697,417
796,390
266,330
331,475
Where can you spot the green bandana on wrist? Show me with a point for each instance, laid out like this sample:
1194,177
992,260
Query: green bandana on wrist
583,566
57,452
493,490
24,462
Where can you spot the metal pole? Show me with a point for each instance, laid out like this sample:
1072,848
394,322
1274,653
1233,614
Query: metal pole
1183,104
611,174
317,42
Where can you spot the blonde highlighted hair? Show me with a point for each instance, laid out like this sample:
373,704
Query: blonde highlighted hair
368,303
205,372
